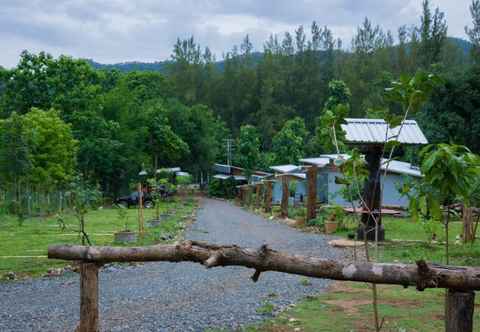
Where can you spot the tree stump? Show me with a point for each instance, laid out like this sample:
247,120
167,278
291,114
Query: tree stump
89,319
459,311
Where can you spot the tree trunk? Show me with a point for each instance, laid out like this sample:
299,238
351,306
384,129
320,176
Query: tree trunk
264,259
258,192
312,193
268,197
140,210
467,225
89,320
285,195
459,311
371,217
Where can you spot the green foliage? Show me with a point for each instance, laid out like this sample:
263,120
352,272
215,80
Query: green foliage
248,148
328,213
84,198
289,143
52,148
222,188
39,149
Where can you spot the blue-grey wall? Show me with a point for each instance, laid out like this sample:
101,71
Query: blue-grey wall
300,191
391,196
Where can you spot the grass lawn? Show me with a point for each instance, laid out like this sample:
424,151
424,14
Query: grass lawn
347,305
23,248
408,252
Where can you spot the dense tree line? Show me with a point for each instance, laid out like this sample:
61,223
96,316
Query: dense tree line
276,103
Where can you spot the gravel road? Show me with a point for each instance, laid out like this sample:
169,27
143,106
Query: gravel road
174,297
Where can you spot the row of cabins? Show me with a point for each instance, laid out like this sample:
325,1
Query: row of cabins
328,188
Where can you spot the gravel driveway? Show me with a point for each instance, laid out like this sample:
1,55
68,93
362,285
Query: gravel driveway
169,296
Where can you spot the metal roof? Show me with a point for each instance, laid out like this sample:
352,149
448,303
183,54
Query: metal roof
401,167
375,131
225,177
285,168
320,162
301,176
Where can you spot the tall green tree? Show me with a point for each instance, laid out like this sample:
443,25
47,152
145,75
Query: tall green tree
247,153
473,33
289,143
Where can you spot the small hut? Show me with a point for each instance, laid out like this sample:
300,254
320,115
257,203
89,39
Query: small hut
370,135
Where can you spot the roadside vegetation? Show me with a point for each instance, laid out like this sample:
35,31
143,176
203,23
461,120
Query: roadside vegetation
23,246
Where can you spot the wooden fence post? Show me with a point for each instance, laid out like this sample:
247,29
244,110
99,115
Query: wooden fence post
268,197
258,189
459,311
312,192
285,195
468,235
89,320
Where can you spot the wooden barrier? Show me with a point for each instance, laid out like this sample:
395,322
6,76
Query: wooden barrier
460,281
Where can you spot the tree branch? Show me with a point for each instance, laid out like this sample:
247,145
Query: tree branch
264,259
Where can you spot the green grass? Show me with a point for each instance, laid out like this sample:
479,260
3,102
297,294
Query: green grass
405,229
32,238
347,308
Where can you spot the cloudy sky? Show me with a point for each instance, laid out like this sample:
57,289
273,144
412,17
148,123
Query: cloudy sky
111,31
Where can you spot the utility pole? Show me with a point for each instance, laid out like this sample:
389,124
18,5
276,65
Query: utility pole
229,144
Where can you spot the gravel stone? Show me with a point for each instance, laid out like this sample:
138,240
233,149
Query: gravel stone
175,296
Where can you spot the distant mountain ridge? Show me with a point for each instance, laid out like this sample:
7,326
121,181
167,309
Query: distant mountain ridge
161,66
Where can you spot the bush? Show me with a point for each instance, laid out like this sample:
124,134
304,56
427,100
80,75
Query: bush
184,180
328,213
222,188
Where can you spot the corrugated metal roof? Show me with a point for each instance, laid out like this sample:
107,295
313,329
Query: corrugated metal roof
225,177
301,176
401,167
285,168
377,131
320,161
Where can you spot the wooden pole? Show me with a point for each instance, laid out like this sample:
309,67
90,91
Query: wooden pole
312,192
140,210
371,195
268,196
285,195
89,318
459,311
467,225
258,193
420,275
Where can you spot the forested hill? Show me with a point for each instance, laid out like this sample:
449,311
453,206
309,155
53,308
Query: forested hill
464,45
278,105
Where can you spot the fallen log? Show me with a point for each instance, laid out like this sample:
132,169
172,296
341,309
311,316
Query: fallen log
421,275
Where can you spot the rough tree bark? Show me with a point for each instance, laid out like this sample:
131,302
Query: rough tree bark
371,195
312,192
264,259
459,310
285,194
467,224
258,194
268,196
89,318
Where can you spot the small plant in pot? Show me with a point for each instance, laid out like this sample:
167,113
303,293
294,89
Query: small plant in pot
334,218
125,235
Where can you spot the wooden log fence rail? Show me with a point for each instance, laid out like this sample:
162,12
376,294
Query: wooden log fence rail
460,281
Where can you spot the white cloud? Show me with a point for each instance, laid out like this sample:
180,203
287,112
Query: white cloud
145,30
